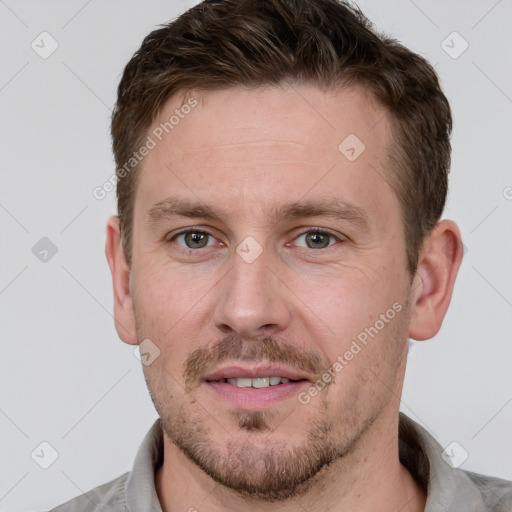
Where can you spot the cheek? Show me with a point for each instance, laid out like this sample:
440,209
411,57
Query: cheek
166,294
349,301
174,306
165,308
367,337
370,368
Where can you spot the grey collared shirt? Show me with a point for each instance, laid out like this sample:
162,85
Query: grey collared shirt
448,489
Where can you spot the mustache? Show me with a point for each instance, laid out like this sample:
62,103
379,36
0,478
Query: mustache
203,360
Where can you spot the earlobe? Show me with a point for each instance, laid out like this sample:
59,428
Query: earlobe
433,283
123,307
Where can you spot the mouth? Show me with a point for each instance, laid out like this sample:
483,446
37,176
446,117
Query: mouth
258,382
257,387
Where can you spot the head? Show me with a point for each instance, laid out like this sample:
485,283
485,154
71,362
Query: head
280,219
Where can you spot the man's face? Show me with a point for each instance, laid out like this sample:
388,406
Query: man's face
263,250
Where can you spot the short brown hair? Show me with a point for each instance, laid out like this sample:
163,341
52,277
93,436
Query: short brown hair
225,43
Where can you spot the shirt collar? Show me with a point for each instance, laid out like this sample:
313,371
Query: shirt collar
447,488
140,488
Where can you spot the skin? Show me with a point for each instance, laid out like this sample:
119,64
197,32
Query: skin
247,152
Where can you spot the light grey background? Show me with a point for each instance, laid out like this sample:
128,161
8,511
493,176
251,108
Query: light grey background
66,378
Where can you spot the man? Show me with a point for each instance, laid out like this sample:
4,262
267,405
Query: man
282,173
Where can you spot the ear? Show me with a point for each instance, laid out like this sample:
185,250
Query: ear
124,315
432,287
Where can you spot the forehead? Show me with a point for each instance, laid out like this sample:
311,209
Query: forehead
263,145
303,115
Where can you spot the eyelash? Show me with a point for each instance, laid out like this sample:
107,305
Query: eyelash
321,231
172,238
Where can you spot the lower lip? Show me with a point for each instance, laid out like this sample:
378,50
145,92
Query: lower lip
256,398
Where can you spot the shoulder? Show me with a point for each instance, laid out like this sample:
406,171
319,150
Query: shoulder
496,493
449,488
108,497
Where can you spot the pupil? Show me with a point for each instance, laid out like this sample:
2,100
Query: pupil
317,240
195,240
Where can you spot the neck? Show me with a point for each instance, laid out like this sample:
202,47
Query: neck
369,478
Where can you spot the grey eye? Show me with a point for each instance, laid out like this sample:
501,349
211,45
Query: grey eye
195,240
316,240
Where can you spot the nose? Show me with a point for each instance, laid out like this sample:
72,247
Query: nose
252,300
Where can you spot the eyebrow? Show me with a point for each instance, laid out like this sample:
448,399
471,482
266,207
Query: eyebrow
335,208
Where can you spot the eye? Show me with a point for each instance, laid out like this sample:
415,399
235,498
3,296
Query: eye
316,240
193,239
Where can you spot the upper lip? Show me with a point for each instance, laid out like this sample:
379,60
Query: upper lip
253,371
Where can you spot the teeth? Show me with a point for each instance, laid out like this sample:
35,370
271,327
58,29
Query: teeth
241,383
259,382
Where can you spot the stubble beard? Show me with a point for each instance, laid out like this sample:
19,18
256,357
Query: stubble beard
258,468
